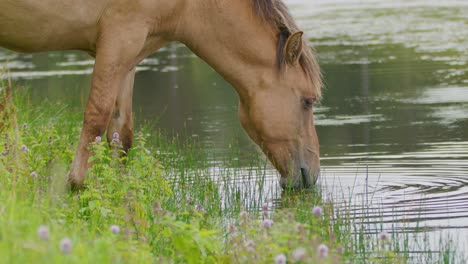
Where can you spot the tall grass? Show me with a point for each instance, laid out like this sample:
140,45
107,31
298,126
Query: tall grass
165,201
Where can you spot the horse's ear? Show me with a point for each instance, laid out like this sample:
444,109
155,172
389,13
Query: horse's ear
293,47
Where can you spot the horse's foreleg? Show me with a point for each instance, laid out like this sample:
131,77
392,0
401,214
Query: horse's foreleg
121,121
115,60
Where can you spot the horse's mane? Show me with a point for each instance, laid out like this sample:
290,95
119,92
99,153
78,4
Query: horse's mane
275,13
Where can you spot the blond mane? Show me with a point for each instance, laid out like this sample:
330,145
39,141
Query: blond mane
275,13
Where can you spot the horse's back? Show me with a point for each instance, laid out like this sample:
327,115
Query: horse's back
31,25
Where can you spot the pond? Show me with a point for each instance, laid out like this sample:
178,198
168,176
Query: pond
393,123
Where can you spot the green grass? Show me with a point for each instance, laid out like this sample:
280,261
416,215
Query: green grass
164,198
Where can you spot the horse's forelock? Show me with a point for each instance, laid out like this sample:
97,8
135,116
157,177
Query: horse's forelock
276,13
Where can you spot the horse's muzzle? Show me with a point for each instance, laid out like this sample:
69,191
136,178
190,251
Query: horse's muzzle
303,180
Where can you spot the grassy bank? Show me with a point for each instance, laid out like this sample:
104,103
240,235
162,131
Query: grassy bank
158,204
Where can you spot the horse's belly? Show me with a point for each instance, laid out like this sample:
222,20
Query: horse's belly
31,26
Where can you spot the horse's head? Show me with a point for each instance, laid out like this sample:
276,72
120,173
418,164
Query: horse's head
279,116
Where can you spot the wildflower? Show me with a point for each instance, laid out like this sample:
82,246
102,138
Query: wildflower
243,214
25,126
157,209
33,174
299,254
115,138
250,244
115,229
66,245
4,153
384,236
265,212
290,216
24,148
340,249
317,211
267,223
98,139
323,251
280,259
300,228
43,232
232,229
199,208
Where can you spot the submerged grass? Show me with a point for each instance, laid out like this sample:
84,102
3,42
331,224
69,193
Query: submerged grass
163,202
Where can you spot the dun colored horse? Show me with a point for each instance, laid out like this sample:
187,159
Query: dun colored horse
254,44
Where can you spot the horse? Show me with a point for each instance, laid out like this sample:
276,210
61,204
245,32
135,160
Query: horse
254,44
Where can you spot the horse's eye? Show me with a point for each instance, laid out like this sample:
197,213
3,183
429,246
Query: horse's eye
308,102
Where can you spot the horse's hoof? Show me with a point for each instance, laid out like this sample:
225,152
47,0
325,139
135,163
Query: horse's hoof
73,184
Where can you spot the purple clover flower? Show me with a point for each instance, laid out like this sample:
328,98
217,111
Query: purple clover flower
199,208
267,223
115,229
299,254
280,259
250,244
66,245
115,136
384,236
43,232
24,148
340,249
232,229
317,211
98,139
33,174
323,251
243,214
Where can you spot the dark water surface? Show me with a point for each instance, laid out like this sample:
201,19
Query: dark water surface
393,124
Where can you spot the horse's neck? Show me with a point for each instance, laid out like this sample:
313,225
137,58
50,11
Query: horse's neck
232,39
